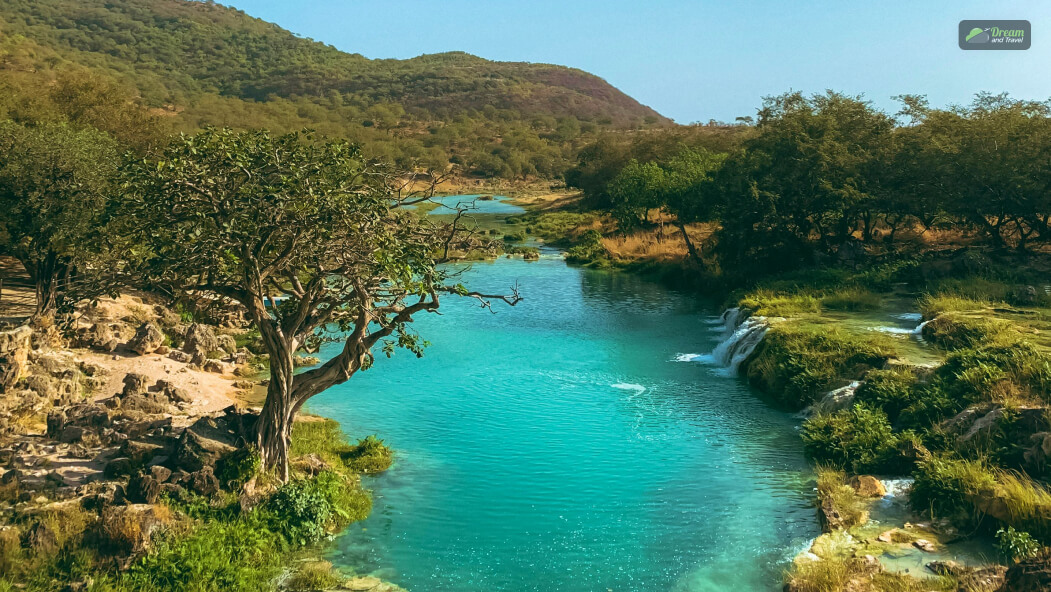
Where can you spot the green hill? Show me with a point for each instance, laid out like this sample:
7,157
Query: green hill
205,64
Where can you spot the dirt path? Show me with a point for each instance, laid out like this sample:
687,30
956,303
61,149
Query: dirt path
17,295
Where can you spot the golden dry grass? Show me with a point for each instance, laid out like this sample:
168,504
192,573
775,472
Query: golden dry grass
658,244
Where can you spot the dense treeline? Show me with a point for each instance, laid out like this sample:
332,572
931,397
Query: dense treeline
818,173
199,64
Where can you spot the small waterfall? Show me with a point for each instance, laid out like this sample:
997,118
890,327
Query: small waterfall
732,318
741,342
918,331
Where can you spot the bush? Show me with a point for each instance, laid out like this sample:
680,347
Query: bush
946,485
953,331
1015,545
589,248
306,510
238,467
889,390
832,485
859,439
370,455
514,237
768,303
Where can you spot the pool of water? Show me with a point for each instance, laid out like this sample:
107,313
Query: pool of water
559,445
476,204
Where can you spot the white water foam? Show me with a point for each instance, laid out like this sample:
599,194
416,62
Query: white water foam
740,344
625,386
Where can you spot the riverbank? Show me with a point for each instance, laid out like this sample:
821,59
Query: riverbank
154,487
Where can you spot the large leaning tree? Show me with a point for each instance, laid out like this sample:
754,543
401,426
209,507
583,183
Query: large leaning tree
310,238
55,186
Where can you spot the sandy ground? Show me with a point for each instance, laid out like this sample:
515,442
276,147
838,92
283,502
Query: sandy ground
210,391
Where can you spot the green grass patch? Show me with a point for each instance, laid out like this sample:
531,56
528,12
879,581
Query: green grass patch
859,439
769,303
832,486
325,439
852,300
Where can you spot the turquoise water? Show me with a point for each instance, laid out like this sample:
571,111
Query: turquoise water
558,446
449,204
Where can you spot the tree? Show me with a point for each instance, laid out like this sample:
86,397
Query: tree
638,188
55,185
250,217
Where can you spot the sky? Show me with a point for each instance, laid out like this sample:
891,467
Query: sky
696,60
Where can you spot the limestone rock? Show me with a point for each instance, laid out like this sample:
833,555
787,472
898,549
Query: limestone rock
200,340
194,451
180,356
227,343
868,486
14,355
924,545
147,339
135,384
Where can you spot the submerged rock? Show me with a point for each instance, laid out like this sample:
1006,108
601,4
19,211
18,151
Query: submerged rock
868,486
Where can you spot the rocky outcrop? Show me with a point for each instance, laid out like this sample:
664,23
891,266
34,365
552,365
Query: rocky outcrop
867,486
1029,575
14,356
147,339
200,341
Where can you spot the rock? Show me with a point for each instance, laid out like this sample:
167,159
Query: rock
162,350
868,486
147,339
14,355
984,579
99,337
362,583
143,488
204,482
924,545
227,343
214,366
990,502
310,464
887,536
71,434
828,516
119,467
140,453
200,340
1029,575
947,568
180,395
160,473
135,384
180,356
193,451
128,529
304,361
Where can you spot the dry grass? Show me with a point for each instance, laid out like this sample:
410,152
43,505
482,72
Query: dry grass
655,244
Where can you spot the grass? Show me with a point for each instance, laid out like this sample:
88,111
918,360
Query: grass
946,485
313,575
854,574
768,303
951,330
325,439
798,361
832,485
859,438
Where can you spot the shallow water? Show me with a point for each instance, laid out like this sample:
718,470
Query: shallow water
560,445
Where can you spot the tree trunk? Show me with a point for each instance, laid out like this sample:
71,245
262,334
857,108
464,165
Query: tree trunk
274,428
45,275
689,243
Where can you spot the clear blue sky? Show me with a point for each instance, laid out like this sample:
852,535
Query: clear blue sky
695,60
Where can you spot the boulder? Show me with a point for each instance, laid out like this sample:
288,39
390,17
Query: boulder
119,467
204,482
180,356
227,343
135,384
140,453
99,336
828,516
924,545
128,529
143,488
1029,575
160,473
868,486
195,451
200,340
14,356
947,568
147,339
214,366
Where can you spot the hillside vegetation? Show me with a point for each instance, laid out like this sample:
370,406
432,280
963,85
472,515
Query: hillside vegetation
199,64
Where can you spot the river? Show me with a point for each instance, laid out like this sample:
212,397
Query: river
561,445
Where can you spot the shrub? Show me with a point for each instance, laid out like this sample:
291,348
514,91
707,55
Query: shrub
238,467
889,390
1015,545
859,439
514,237
980,374
946,485
238,556
588,249
300,512
370,455
769,303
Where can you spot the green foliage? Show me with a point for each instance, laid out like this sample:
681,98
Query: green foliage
946,486
888,390
957,331
589,249
859,439
306,510
316,575
1015,545
769,303
851,299
238,467
832,486
369,455
798,361
241,555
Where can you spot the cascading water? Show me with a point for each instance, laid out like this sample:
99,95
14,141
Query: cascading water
744,337
834,400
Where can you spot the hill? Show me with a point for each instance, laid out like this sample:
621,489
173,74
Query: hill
202,63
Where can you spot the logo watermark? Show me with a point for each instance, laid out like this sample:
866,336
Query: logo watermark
995,35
